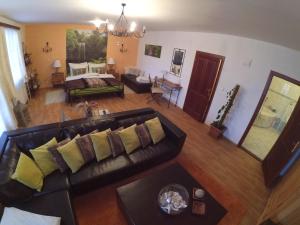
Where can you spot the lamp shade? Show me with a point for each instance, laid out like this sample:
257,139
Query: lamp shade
56,63
111,61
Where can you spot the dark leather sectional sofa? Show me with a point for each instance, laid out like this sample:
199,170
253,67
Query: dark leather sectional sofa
55,198
130,81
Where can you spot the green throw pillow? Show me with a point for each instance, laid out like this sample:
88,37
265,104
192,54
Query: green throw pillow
155,129
130,139
43,157
28,173
101,145
72,155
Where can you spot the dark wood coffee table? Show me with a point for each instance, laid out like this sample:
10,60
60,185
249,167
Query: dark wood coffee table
138,200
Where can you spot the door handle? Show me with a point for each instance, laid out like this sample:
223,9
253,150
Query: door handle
295,146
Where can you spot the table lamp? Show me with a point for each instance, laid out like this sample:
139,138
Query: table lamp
111,62
56,64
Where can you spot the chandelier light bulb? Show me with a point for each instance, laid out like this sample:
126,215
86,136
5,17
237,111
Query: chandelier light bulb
97,22
110,27
132,26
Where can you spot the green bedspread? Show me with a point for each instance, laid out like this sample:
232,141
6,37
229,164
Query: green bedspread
91,91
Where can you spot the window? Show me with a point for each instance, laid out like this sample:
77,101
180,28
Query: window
6,119
16,61
12,76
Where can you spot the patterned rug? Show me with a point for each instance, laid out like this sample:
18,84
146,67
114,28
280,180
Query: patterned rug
56,96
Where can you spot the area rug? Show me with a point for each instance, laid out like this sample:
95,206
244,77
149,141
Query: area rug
56,96
127,90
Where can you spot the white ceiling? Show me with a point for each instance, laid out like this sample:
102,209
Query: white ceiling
276,21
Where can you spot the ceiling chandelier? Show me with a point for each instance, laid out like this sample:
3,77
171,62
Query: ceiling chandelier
121,28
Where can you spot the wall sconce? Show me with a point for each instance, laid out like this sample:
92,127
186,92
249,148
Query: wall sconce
123,49
47,49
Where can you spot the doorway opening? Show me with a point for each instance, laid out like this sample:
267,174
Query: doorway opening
272,114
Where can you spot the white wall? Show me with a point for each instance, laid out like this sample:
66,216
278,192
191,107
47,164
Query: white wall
247,62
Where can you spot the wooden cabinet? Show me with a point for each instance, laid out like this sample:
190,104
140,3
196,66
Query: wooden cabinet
58,79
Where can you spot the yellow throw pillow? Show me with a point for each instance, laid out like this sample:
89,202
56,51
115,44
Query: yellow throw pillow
28,173
155,129
130,139
72,155
101,145
43,157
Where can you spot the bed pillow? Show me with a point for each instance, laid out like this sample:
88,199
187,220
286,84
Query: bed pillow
143,79
28,173
43,157
132,70
16,216
82,66
101,145
130,139
72,155
155,129
97,68
79,71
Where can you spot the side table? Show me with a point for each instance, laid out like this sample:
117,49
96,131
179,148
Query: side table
58,79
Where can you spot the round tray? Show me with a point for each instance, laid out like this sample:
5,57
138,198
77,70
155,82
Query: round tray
165,200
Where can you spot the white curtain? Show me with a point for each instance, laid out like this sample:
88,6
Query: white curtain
16,61
7,89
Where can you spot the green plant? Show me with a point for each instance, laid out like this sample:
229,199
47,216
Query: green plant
224,110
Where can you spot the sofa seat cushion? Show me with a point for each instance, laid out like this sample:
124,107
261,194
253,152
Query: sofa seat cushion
95,170
56,181
153,152
54,204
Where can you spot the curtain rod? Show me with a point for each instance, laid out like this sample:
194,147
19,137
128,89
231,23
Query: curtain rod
9,26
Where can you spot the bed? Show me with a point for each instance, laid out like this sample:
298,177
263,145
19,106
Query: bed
91,84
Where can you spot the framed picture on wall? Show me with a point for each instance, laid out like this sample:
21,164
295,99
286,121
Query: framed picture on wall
177,61
153,50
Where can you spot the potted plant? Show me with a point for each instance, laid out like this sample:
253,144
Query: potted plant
217,127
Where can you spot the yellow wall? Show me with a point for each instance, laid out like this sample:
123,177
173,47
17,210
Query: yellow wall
36,36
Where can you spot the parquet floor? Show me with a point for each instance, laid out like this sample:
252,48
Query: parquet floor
221,161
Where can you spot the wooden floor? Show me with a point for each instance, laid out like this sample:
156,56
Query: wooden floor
222,161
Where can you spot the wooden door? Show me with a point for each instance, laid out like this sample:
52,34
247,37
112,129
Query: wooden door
205,75
283,150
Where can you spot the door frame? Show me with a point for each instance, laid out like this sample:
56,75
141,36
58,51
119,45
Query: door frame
216,80
261,101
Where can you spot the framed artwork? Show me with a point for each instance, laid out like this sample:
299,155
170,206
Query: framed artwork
85,46
153,50
177,61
